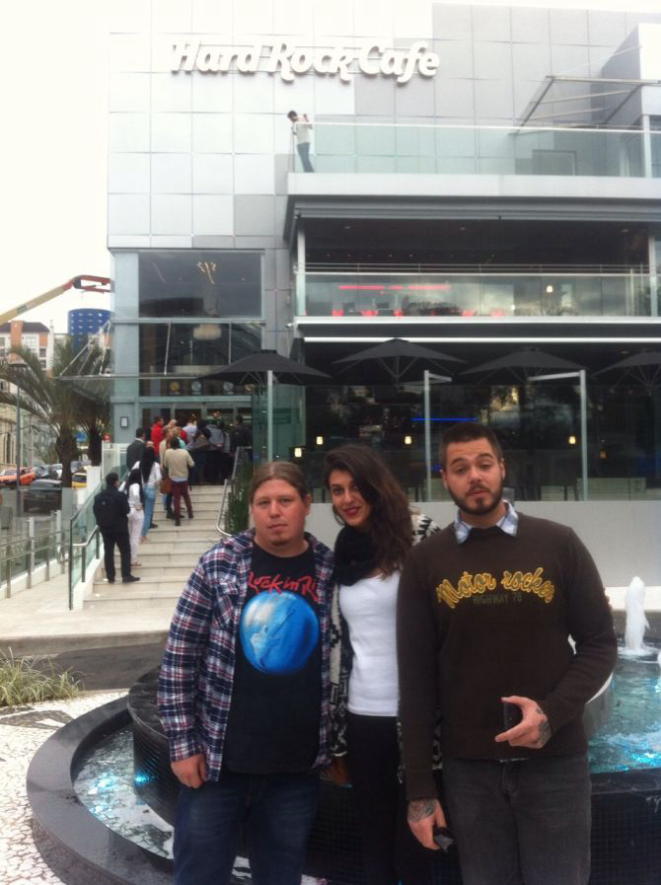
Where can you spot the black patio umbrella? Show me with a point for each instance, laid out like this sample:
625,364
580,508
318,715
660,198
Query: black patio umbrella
644,367
399,359
523,363
527,363
263,368
253,369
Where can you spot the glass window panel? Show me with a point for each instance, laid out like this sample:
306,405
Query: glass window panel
189,349
200,283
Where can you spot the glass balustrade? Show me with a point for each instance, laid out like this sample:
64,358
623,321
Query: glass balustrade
476,295
485,150
538,425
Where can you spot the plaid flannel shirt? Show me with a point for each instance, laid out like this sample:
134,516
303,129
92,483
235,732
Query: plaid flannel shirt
197,673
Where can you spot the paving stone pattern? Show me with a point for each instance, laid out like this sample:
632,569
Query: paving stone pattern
22,731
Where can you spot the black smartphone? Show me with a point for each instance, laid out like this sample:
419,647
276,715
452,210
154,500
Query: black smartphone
512,715
443,838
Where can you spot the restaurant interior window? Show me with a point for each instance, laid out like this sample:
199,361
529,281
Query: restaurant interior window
200,284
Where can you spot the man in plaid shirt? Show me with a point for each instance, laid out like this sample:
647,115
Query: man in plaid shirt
244,691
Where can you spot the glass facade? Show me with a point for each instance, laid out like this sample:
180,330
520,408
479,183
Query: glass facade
180,350
538,425
478,294
481,150
200,284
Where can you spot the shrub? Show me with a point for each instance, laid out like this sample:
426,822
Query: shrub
27,682
237,516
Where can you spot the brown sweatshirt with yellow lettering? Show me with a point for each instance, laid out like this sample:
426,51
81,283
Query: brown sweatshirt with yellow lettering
489,618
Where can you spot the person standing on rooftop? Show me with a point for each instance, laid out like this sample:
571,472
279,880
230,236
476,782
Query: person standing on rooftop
301,129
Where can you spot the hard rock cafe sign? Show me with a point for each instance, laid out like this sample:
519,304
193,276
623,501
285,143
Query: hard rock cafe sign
288,61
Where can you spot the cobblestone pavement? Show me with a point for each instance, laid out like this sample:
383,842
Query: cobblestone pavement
22,731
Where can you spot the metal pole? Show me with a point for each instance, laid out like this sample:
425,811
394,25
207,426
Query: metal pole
584,431
654,282
18,448
31,556
427,406
583,393
269,415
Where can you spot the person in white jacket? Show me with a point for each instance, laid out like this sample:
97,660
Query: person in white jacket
150,477
136,514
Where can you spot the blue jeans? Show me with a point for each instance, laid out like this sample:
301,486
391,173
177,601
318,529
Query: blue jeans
520,823
277,812
150,500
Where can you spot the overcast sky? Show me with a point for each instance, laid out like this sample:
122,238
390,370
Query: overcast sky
53,71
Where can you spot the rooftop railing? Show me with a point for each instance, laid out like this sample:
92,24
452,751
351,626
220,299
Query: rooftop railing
355,294
483,150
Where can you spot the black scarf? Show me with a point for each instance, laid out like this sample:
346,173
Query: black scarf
355,556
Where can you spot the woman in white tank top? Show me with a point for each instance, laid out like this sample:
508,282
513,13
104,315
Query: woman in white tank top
378,532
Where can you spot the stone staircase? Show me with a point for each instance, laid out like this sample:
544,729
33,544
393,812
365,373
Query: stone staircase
168,557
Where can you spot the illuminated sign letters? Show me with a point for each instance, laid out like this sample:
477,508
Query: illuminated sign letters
373,60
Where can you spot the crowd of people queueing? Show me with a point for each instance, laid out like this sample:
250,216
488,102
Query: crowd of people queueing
167,458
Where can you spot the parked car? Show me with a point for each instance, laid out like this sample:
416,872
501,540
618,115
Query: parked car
43,496
79,479
8,477
54,471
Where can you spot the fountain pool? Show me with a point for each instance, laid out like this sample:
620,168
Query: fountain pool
100,814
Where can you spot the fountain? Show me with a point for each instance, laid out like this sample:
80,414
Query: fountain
636,621
82,848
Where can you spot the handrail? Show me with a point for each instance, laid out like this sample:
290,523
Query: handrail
418,267
477,127
494,272
31,546
84,545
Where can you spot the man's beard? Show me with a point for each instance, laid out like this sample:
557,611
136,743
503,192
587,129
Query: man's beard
482,508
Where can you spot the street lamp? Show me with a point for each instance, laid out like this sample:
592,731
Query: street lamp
18,364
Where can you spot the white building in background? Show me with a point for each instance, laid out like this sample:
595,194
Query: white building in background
485,178
35,337
39,339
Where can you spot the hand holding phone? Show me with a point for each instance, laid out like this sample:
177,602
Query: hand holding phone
443,838
512,715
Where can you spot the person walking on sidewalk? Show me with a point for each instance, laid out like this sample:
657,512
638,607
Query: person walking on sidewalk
136,513
178,462
244,691
486,610
111,510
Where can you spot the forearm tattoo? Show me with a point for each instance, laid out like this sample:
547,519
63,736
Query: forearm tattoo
544,729
419,809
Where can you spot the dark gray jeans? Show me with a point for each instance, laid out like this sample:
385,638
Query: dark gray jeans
520,823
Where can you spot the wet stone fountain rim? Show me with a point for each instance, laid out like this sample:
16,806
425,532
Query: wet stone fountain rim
78,847
81,850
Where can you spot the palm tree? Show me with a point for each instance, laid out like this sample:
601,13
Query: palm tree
53,401
93,409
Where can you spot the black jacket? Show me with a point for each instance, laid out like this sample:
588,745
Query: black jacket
134,452
111,509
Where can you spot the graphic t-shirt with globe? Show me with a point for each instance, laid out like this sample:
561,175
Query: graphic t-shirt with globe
273,721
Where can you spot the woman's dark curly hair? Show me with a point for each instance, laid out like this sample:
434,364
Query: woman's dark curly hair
390,520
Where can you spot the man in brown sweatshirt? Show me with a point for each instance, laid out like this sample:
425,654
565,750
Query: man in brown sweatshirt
485,613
